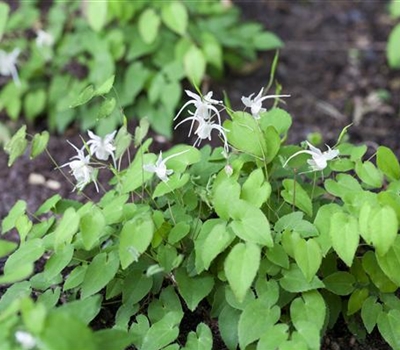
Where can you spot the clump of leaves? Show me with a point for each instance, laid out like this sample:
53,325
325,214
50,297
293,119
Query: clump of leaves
152,48
272,241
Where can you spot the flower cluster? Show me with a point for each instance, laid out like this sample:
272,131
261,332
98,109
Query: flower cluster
80,165
204,114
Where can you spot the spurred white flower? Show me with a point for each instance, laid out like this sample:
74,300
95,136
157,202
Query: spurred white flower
204,106
160,167
8,64
204,129
44,38
81,169
255,104
319,159
102,148
25,339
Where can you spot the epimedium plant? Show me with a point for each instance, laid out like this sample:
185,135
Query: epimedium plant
152,48
273,242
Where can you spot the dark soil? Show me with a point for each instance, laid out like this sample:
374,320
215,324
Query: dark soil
334,67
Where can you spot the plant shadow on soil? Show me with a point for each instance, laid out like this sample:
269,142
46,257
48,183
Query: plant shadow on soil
333,65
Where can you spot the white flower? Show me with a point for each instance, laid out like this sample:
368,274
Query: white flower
102,148
25,339
319,160
204,106
44,39
255,104
81,169
204,129
160,168
8,63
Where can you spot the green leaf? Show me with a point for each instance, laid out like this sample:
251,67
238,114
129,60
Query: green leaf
18,209
387,162
226,193
377,276
34,103
122,141
241,266
39,143
100,272
256,183
174,182
369,174
24,256
16,146
295,195
228,321
148,25
267,41
344,236
308,256
74,333
175,17
370,312
273,142
193,289
106,108
340,283
389,327
58,261
383,226
356,300
390,262
66,228
135,287
211,243
274,337
96,13
112,339
212,50
201,340
250,224
246,135
310,307
20,273
294,281
91,226
257,317
76,277
162,332
135,237
48,205
141,131
84,97
178,232
392,48
194,63
135,175
7,247
84,310
105,87
4,11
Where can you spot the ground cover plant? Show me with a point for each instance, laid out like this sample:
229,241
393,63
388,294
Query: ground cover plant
48,56
272,241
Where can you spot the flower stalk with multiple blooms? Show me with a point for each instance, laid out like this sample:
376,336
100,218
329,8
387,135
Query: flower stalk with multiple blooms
80,165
